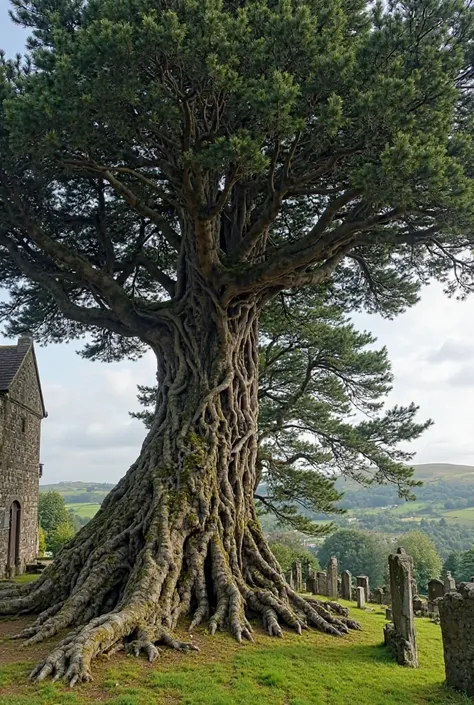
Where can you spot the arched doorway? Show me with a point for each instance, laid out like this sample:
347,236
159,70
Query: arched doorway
14,537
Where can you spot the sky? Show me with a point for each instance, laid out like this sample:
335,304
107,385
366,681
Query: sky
89,435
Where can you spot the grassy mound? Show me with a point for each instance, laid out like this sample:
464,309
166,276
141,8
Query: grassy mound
309,670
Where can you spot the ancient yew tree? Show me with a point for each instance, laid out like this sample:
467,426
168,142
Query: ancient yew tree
169,166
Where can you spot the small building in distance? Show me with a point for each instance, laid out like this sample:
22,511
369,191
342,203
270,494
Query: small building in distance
21,412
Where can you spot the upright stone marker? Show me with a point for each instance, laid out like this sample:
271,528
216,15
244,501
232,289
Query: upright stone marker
400,636
378,594
297,577
321,583
360,597
363,581
346,585
456,613
449,582
332,590
435,589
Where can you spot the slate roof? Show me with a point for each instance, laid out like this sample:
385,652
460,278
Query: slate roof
11,358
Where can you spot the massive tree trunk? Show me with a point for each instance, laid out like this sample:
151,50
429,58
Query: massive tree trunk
179,534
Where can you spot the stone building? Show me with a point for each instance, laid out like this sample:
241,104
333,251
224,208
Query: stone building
21,412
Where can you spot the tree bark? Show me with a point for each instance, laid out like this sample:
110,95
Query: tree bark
179,534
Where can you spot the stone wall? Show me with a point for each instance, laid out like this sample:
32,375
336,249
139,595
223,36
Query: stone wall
21,412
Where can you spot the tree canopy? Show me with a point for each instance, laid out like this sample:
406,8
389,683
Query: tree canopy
272,144
426,559
360,552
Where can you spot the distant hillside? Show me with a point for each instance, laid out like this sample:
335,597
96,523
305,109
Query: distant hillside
444,471
69,487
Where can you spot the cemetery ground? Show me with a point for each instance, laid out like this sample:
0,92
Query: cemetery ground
313,669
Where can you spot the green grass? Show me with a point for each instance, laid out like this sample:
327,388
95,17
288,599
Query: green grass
313,669
460,516
26,578
85,510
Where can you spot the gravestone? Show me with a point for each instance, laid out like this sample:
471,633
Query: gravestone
290,580
449,582
360,597
346,585
400,636
363,581
388,614
387,598
378,595
297,576
321,583
435,589
456,613
332,579
310,580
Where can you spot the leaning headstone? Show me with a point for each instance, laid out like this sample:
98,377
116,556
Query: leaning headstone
435,589
346,584
378,595
456,612
360,597
310,580
321,583
331,579
363,581
449,582
297,578
400,636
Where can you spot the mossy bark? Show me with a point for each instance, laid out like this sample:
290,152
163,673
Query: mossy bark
179,534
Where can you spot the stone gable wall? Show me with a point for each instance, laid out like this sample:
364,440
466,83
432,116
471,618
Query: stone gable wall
20,422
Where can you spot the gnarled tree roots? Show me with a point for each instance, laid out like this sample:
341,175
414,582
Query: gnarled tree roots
111,609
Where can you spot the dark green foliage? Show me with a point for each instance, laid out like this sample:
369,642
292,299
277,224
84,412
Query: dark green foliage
341,129
453,564
427,560
360,552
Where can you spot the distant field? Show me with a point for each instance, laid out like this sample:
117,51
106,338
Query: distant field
85,511
461,516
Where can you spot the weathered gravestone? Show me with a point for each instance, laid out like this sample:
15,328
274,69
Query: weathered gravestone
456,612
435,589
400,636
387,598
449,582
310,581
363,581
346,585
321,583
378,595
331,579
360,597
435,592
388,614
297,576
